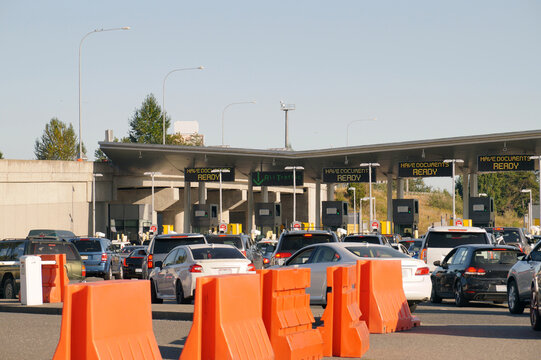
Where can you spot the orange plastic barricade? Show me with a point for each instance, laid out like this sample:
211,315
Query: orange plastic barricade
54,278
344,334
382,300
287,315
227,321
107,320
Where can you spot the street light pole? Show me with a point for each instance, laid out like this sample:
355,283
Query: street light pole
354,209
453,162
220,171
223,113
538,157
294,168
352,122
163,94
370,165
530,209
80,47
152,174
94,176
361,212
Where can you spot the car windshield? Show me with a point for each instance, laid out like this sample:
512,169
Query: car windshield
453,239
294,242
45,248
509,236
491,257
236,241
371,239
164,245
376,252
266,247
216,253
85,246
415,246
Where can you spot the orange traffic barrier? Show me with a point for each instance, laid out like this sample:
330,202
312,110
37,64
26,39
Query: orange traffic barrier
54,278
107,320
227,321
382,300
344,334
287,315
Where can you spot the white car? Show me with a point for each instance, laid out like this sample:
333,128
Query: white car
317,257
175,278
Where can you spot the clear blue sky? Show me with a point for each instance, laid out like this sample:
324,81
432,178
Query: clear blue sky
426,69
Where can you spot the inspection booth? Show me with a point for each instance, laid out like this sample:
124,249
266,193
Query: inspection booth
405,216
334,214
482,212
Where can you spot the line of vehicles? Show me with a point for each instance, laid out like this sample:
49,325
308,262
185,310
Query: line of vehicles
461,263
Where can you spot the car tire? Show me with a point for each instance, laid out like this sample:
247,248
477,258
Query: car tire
460,300
153,295
513,301
120,273
535,316
9,289
412,306
434,297
109,274
179,294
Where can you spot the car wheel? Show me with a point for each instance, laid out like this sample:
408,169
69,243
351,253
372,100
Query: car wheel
535,317
109,273
120,273
459,295
180,294
9,289
513,301
412,306
434,297
153,295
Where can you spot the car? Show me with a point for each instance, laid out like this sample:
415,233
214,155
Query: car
12,250
99,257
242,242
519,280
413,246
160,245
514,236
266,247
48,233
175,277
127,250
133,263
368,238
535,310
400,247
439,241
292,240
473,272
318,257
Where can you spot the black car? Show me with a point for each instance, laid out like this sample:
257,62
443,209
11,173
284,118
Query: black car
133,263
474,272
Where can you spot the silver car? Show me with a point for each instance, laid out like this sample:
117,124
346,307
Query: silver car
519,280
175,277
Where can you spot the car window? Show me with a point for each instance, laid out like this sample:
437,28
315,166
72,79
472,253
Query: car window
459,257
453,239
371,239
376,252
5,250
164,245
170,258
84,246
535,255
17,252
181,256
216,253
302,257
491,257
43,248
294,242
236,241
326,254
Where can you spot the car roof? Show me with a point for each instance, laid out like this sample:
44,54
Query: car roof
176,236
307,232
457,229
345,244
489,246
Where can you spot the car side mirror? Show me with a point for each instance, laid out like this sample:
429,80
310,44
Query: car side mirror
158,264
437,263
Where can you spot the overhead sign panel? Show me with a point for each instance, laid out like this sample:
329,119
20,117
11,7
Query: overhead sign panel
277,178
412,169
347,175
206,175
505,163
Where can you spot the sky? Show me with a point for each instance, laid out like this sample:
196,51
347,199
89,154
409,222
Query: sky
424,69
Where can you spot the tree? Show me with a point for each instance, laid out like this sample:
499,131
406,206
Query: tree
147,123
183,140
100,155
58,142
1,155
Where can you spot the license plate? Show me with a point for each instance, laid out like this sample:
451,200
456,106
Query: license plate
138,270
224,271
84,257
501,288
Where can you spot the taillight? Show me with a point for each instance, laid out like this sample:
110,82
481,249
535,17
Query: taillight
282,255
475,271
423,255
422,271
251,267
196,268
103,257
266,261
83,271
124,262
243,252
150,263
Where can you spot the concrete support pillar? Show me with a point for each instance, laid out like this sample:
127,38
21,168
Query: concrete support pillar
264,193
400,188
202,193
178,221
465,194
187,206
390,197
278,196
250,210
474,185
318,204
330,192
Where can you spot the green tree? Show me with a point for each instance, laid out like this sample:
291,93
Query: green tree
1,155
58,142
505,188
146,125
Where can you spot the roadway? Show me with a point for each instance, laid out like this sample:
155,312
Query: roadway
480,331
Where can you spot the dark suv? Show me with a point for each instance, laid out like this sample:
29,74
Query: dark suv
99,257
160,246
510,236
291,241
12,250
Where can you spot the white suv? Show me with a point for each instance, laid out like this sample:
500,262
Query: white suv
438,241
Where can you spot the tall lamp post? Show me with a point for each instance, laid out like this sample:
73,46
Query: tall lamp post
223,113
220,171
354,209
453,161
530,222
285,108
294,168
370,166
163,93
361,212
352,122
538,157
80,47
152,174
94,176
